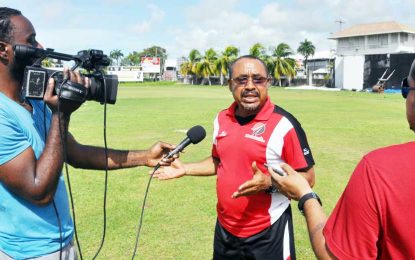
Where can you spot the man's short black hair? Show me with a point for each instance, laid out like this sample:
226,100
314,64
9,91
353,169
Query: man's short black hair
230,69
5,25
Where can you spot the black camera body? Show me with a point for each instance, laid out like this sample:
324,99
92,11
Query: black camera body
103,88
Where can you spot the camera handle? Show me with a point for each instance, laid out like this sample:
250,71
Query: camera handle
71,91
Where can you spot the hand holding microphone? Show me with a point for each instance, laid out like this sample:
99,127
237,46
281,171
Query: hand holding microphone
193,136
154,155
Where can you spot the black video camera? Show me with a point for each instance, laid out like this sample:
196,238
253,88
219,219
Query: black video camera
103,88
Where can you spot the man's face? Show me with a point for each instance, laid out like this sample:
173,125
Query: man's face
22,33
251,96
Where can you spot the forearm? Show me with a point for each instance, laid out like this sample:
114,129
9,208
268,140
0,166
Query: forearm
206,167
91,157
316,220
49,165
295,186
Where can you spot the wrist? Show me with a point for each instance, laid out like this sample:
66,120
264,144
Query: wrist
61,115
269,185
271,189
304,192
186,170
146,159
304,198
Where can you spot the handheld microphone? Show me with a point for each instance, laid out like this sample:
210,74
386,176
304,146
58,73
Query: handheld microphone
194,136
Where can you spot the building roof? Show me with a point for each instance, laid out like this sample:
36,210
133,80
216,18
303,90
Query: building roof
373,28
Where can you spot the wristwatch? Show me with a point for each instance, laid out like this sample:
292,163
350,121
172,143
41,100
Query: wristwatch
271,189
304,198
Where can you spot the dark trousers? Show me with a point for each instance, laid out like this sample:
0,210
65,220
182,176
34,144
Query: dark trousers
275,242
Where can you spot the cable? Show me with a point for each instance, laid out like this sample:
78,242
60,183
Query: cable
60,229
67,173
54,204
106,170
142,211
106,174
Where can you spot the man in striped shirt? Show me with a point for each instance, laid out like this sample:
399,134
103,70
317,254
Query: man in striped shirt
254,220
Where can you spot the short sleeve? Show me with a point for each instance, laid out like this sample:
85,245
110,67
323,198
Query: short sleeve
215,134
296,151
12,139
352,230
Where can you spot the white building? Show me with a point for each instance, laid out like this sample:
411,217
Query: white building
170,70
354,43
127,73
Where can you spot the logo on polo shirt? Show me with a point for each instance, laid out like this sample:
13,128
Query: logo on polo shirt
222,134
257,130
306,151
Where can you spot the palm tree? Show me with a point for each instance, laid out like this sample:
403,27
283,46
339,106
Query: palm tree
116,55
223,62
47,62
194,58
134,58
306,48
257,50
186,68
206,66
284,67
282,50
281,64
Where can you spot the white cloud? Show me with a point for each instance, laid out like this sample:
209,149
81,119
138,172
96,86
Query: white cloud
183,25
275,23
357,11
54,10
156,16
215,23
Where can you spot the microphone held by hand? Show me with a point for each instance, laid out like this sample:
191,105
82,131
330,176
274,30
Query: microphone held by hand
194,136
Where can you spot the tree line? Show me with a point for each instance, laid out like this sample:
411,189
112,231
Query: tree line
215,64
134,58
211,63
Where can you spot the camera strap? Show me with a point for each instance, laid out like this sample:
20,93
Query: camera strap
73,91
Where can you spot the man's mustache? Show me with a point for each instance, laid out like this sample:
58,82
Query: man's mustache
250,93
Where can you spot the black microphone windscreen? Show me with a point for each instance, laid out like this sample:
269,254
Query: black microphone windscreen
23,51
196,134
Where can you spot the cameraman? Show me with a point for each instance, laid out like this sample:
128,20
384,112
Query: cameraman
33,197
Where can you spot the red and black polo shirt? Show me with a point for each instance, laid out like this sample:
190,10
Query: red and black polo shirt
272,137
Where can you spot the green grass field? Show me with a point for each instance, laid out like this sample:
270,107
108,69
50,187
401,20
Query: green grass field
180,214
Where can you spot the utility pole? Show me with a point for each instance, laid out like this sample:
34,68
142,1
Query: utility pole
340,21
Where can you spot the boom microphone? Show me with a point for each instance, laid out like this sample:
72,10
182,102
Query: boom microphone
194,136
25,52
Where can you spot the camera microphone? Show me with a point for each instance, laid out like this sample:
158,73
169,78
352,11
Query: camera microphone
194,136
29,52
24,51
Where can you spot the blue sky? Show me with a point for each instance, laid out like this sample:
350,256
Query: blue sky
179,26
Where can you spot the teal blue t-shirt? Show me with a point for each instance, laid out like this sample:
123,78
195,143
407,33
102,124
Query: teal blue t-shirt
28,230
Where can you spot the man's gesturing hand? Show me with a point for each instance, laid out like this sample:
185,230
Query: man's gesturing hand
175,170
258,183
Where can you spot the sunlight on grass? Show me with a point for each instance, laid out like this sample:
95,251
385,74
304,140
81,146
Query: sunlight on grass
180,214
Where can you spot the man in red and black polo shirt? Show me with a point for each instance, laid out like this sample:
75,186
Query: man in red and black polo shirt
254,219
